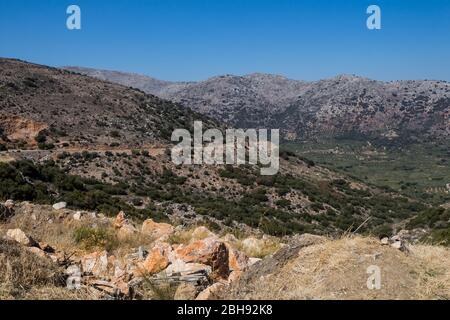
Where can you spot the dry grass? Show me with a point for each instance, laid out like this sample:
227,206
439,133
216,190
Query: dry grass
267,247
71,236
20,271
337,269
187,236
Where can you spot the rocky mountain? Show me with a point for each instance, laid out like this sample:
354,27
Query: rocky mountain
46,252
90,197
102,146
341,106
64,107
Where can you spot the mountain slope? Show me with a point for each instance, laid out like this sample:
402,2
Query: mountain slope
81,110
109,151
312,267
341,106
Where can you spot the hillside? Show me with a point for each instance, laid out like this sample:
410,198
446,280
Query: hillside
344,106
80,111
316,268
88,190
48,252
121,167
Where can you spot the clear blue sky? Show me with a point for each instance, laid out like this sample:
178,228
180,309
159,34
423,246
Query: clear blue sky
196,39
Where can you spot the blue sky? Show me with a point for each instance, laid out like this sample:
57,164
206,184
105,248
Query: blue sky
197,39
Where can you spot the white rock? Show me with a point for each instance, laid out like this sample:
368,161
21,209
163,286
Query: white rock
73,270
92,215
9,204
180,267
95,263
38,252
60,205
77,216
385,241
252,261
397,245
20,237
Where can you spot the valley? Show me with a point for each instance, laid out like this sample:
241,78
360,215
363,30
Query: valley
89,186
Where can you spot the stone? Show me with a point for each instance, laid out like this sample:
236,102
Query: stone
399,245
73,270
212,292
60,205
95,263
209,251
186,291
123,287
179,267
237,261
124,227
46,247
38,252
120,220
157,259
77,216
92,215
156,230
252,261
20,237
9,204
385,241
234,276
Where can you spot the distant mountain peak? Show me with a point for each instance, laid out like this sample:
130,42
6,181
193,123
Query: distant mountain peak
344,104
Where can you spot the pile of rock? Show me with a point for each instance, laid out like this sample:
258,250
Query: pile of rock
199,268
41,249
396,242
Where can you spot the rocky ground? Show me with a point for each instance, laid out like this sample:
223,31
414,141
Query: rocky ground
51,252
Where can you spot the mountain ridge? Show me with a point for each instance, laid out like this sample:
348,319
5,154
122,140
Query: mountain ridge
339,106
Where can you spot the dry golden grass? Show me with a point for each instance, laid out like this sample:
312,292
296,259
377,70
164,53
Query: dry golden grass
267,247
187,236
337,269
21,271
61,233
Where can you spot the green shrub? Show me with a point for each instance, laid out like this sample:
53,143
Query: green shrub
100,237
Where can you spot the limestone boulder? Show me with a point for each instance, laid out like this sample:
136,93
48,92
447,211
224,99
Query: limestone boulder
60,205
156,260
95,263
209,251
21,237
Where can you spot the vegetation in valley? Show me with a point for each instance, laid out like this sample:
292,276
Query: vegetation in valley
421,171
